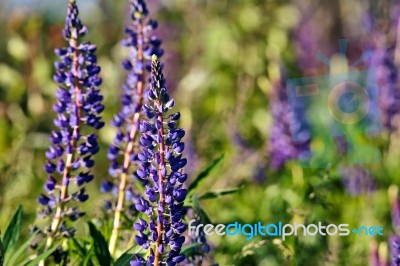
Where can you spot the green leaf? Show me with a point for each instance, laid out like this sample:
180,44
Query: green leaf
124,259
87,260
82,251
219,193
192,249
100,246
13,230
15,257
41,257
203,174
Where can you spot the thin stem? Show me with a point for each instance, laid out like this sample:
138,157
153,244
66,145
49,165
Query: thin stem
128,151
160,226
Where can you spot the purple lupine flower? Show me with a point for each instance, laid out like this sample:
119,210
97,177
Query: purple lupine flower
78,107
394,243
122,152
357,180
161,164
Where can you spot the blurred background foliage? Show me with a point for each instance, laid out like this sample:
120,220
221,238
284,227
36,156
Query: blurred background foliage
223,61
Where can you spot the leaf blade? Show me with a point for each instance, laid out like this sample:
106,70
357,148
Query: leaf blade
13,230
100,246
204,173
41,257
16,254
124,259
219,193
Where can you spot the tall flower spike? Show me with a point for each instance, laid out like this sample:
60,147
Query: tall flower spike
78,107
142,45
161,166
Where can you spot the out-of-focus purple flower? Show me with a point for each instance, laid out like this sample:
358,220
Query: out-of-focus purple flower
394,243
161,166
78,108
357,180
383,63
121,153
313,35
282,146
385,69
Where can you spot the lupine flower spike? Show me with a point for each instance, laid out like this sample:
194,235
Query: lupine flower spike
161,166
122,152
78,107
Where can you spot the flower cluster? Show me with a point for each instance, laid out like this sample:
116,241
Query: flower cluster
122,152
161,164
79,105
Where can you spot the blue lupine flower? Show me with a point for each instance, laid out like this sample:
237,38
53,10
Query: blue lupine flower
78,107
121,152
161,165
